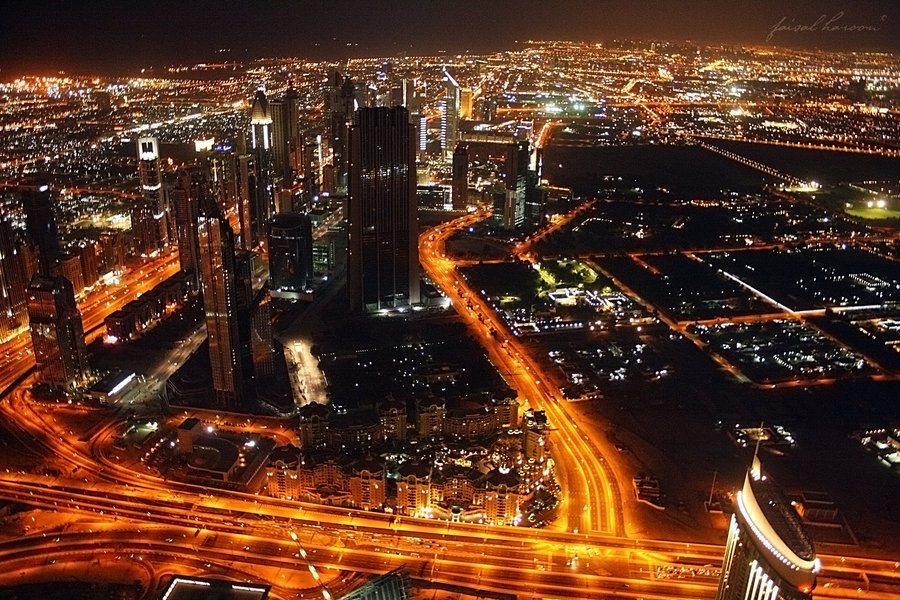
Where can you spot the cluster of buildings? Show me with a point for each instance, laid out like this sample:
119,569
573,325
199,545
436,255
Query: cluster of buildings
475,462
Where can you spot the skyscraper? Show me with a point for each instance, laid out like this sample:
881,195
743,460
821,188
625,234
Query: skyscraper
383,261
340,104
290,254
57,333
465,103
449,113
768,555
152,192
262,192
40,225
460,177
186,196
285,115
13,307
217,277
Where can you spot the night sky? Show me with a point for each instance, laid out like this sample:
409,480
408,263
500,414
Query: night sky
121,36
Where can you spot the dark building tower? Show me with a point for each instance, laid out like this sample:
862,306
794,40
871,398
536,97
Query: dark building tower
290,254
383,260
768,556
144,234
285,114
13,307
223,169
57,333
262,192
340,104
220,303
152,192
186,197
460,177
40,225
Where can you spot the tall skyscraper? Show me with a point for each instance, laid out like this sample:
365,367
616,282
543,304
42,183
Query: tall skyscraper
449,114
57,333
186,197
465,103
152,192
460,177
768,555
220,303
40,225
13,306
509,208
340,104
224,178
290,254
285,114
262,192
383,261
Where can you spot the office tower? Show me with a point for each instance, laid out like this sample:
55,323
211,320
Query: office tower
340,104
449,113
262,192
220,303
152,192
465,103
262,351
290,255
285,114
246,188
768,555
90,269
224,178
509,208
13,307
144,232
460,177
192,187
311,169
57,333
40,225
383,261
69,266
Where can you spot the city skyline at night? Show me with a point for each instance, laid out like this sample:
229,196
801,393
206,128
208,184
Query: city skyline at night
510,300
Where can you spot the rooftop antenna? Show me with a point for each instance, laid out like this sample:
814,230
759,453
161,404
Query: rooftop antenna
755,466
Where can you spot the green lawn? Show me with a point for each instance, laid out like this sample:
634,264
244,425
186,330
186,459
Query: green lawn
874,213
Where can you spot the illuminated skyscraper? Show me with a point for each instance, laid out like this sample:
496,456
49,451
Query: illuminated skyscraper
262,198
186,196
220,303
285,114
768,555
460,177
383,261
340,104
40,225
57,333
465,103
449,113
13,307
152,192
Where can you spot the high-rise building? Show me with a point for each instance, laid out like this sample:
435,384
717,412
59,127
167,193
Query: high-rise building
192,187
224,176
465,103
57,333
69,266
13,307
768,555
40,225
449,113
262,192
152,192
220,302
290,254
246,190
340,105
285,114
509,199
383,260
144,232
460,177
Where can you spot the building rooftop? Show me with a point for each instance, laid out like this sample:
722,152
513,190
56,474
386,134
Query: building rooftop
195,588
